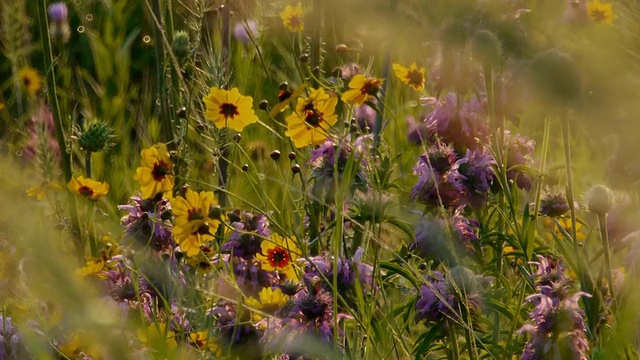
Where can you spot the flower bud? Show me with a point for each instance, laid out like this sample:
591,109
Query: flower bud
598,199
95,137
275,155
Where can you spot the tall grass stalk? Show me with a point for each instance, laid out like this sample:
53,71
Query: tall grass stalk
65,154
566,139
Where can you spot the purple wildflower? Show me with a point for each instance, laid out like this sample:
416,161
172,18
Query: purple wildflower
58,12
148,223
417,132
473,175
245,32
434,186
249,232
519,153
365,116
467,230
556,325
347,71
464,126
234,329
318,271
11,344
443,297
42,143
553,204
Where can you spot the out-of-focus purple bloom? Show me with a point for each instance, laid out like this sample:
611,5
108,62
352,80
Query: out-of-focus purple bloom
11,344
442,297
58,12
249,232
365,116
554,204
244,32
473,175
318,271
434,186
234,329
556,325
349,70
417,132
467,230
520,149
42,142
464,126
148,223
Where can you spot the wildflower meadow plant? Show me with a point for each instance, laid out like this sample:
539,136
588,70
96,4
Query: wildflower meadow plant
313,180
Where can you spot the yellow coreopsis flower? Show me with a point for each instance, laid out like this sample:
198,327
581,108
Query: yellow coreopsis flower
361,89
202,341
309,124
89,188
93,267
411,76
193,224
269,300
279,253
155,174
30,79
600,13
40,191
229,109
292,18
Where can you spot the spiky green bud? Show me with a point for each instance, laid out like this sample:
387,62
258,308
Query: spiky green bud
95,137
181,44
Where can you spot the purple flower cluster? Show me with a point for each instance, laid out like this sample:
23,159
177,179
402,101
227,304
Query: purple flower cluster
148,223
319,271
443,297
245,32
444,179
556,325
330,159
129,290
458,122
234,329
11,345
249,275
467,231
553,204
249,232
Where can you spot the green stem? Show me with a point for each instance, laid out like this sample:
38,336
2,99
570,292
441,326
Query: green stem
602,224
454,350
65,154
165,116
87,164
567,155
316,28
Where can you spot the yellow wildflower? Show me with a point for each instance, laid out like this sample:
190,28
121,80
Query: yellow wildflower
292,18
89,188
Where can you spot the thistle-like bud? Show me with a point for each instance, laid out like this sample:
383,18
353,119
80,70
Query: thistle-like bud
486,48
598,199
181,44
59,26
95,137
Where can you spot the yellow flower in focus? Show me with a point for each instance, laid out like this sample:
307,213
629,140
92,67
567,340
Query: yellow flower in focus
309,124
30,79
193,224
292,18
92,268
411,76
229,109
201,340
269,300
89,188
600,13
285,97
40,191
158,336
279,253
155,174
361,89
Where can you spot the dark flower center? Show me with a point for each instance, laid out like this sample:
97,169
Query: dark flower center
26,81
414,77
194,214
160,170
598,16
370,88
278,257
284,95
295,22
229,110
85,191
312,116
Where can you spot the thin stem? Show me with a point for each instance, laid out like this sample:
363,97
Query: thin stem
602,224
165,116
57,122
567,155
87,164
454,350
